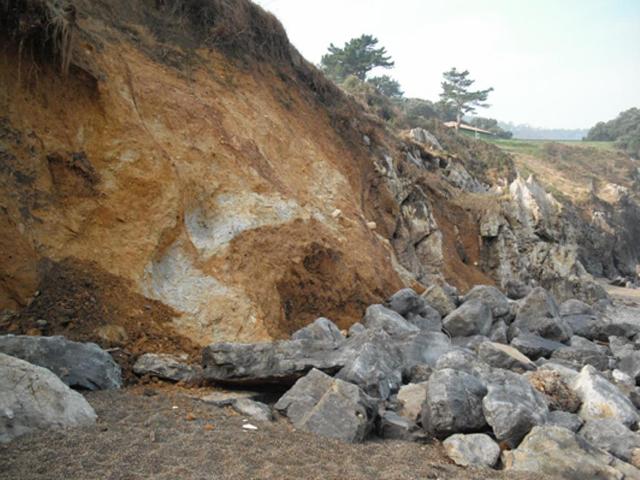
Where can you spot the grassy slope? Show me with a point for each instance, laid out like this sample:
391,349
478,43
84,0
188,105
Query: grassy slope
569,168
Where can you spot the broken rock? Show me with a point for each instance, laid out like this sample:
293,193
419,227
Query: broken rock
80,365
471,318
166,367
270,362
453,403
328,407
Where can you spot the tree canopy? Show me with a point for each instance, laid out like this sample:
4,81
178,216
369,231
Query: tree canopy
456,92
624,130
387,86
358,57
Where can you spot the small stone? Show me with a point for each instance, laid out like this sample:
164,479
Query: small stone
256,410
249,426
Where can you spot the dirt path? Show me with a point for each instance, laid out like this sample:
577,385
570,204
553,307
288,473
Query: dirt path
173,437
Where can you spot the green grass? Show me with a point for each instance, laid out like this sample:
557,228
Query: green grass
534,147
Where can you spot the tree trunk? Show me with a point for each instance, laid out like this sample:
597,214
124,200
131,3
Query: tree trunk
458,120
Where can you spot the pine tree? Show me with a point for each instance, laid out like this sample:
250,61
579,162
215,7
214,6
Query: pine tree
455,92
357,57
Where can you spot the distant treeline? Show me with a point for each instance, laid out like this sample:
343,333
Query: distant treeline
624,130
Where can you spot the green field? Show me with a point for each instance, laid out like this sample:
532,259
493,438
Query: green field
534,147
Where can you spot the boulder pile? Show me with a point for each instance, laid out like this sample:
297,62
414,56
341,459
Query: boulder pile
518,384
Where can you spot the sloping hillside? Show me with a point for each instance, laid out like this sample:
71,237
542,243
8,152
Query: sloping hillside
175,173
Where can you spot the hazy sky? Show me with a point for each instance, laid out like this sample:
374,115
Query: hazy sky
553,63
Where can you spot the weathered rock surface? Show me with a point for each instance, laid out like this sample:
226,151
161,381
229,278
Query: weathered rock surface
629,363
580,356
512,407
555,390
411,397
499,332
477,449
33,398
253,409
539,314
567,420
471,318
490,296
613,437
559,453
328,407
534,346
437,297
321,330
372,361
166,367
503,356
80,365
378,316
453,403
601,399
273,362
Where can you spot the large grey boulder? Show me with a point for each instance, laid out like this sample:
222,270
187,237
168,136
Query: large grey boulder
321,330
490,296
453,403
503,356
612,436
471,318
512,407
406,301
166,367
575,307
557,452
441,299
534,346
380,317
429,319
602,399
373,362
79,365
474,449
587,326
538,313
33,398
328,407
270,362
579,357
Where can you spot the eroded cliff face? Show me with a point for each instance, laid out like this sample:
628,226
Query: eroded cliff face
193,178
